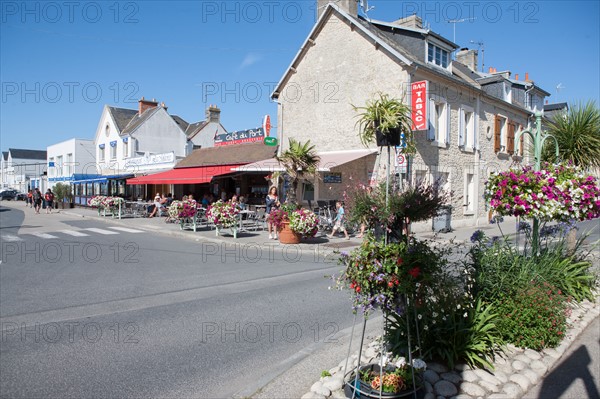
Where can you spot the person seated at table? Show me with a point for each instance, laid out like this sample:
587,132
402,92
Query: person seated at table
205,201
234,201
157,206
191,198
169,200
242,204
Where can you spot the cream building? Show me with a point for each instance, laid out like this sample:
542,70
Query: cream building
472,116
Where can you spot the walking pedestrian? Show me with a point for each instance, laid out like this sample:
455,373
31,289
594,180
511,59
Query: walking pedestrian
272,203
49,197
37,200
29,199
339,221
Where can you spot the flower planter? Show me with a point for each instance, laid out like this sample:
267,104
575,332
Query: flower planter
220,228
365,390
287,236
391,139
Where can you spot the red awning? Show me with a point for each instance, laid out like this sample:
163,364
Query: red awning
199,175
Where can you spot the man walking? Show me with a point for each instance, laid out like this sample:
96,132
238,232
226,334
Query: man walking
37,200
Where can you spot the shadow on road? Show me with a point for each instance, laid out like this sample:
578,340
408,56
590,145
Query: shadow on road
560,379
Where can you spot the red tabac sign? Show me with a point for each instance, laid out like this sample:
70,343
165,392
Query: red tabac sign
419,105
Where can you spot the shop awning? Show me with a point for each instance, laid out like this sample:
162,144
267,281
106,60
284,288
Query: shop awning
100,178
199,175
329,160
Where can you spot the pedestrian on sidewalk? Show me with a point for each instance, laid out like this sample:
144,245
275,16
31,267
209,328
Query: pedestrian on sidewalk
339,221
37,200
49,197
272,203
29,199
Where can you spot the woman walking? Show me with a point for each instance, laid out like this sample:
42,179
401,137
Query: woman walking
272,202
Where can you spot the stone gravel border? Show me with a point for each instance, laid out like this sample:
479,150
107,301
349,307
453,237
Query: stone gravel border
514,373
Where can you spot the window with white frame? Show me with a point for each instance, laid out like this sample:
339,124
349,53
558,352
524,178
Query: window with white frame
59,165
469,193
443,181
101,154
125,147
466,128
51,169
69,165
113,150
439,120
437,55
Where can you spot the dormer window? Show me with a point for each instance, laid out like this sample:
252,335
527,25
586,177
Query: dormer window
437,55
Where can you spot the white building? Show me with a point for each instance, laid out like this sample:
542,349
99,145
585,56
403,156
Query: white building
23,169
71,160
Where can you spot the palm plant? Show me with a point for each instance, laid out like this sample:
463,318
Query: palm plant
300,162
385,116
577,132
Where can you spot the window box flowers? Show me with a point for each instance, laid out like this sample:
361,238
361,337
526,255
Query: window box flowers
104,203
304,222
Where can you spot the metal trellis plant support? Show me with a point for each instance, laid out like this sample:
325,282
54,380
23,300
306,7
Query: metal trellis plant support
538,139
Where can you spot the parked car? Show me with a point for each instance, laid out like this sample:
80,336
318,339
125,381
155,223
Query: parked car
8,195
20,196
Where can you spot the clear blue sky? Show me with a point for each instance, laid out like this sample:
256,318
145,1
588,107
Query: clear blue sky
60,62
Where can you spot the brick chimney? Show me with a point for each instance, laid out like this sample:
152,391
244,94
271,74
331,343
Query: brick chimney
468,58
350,6
412,21
144,104
213,114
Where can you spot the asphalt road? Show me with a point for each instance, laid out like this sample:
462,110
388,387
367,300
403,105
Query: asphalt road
91,310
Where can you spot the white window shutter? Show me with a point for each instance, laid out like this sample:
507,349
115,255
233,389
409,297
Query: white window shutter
448,111
461,127
432,114
475,131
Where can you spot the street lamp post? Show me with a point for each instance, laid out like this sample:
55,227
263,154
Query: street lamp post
538,139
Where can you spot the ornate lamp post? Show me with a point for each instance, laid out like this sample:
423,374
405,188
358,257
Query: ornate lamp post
538,139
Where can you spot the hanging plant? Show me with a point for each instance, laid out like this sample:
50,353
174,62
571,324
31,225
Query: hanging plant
383,120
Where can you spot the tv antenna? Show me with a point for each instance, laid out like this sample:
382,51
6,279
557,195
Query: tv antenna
456,21
364,5
559,87
480,48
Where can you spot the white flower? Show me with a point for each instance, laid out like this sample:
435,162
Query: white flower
419,364
401,362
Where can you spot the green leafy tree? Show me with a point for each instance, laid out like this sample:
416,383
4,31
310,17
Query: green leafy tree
577,132
62,192
300,161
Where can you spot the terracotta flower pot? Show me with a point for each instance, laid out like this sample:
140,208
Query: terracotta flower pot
287,236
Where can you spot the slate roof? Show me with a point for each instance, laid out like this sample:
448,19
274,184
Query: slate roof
194,128
5,155
122,116
183,125
137,120
17,153
556,107
228,155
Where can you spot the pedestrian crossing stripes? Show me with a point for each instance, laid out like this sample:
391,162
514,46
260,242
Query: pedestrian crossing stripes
100,231
87,232
74,233
45,236
126,229
10,238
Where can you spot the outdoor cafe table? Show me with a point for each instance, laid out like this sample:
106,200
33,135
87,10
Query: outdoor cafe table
241,219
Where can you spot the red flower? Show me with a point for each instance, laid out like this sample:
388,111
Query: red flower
399,261
357,288
415,271
390,284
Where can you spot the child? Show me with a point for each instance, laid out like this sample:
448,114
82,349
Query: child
339,221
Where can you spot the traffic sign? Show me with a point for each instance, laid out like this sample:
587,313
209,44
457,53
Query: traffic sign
270,141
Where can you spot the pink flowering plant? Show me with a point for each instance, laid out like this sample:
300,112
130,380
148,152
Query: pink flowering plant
378,274
561,192
304,222
96,201
223,214
182,209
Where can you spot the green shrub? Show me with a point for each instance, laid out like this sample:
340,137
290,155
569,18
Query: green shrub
534,317
451,326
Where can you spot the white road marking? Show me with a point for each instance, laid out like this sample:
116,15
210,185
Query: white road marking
101,231
74,233
10,238
45,236
127,230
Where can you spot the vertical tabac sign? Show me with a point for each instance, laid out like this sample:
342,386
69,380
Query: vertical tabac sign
419,105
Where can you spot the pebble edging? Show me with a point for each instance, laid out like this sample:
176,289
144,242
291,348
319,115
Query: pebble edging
514,373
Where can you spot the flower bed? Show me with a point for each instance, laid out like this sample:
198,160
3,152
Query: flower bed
304,222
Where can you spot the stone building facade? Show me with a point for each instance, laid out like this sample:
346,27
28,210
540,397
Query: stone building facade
346,60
